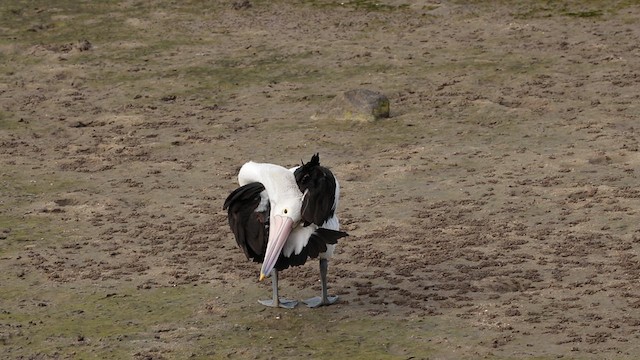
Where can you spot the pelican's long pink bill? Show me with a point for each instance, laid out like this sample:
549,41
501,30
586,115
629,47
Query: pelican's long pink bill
279,231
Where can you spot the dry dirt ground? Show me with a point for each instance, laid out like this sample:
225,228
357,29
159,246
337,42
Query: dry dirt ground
494,215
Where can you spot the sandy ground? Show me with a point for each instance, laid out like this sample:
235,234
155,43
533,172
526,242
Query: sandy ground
494,215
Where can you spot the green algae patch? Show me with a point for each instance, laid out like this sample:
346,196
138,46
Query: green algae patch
337,332
365,5
71,320
21,233
21,225
318,336
198,322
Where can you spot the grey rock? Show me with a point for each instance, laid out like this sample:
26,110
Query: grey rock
356,105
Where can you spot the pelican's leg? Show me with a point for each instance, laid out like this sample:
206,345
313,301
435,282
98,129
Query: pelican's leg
277,302
325,299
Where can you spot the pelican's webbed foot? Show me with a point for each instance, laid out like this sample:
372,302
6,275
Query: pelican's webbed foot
324,299
317,301
277,301
283,303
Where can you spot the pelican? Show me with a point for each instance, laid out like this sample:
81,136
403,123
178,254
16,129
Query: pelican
281,217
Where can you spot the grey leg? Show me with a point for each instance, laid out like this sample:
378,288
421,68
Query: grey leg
276,301
325,299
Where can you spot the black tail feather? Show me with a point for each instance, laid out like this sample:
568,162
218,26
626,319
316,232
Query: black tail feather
328,236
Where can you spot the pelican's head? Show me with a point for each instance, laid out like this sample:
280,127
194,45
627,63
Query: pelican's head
285,214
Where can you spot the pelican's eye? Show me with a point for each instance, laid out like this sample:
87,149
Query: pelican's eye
285,211
305,178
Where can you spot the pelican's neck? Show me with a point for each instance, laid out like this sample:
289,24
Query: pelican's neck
279,182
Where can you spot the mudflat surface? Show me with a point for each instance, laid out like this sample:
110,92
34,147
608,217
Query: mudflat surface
494,215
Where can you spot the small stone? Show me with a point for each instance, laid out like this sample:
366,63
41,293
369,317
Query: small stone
356,105
241,5
512,312
84,45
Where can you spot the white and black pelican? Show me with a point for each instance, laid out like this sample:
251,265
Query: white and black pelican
281,217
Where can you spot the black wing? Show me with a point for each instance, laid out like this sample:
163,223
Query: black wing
317,244
250,227
319,186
